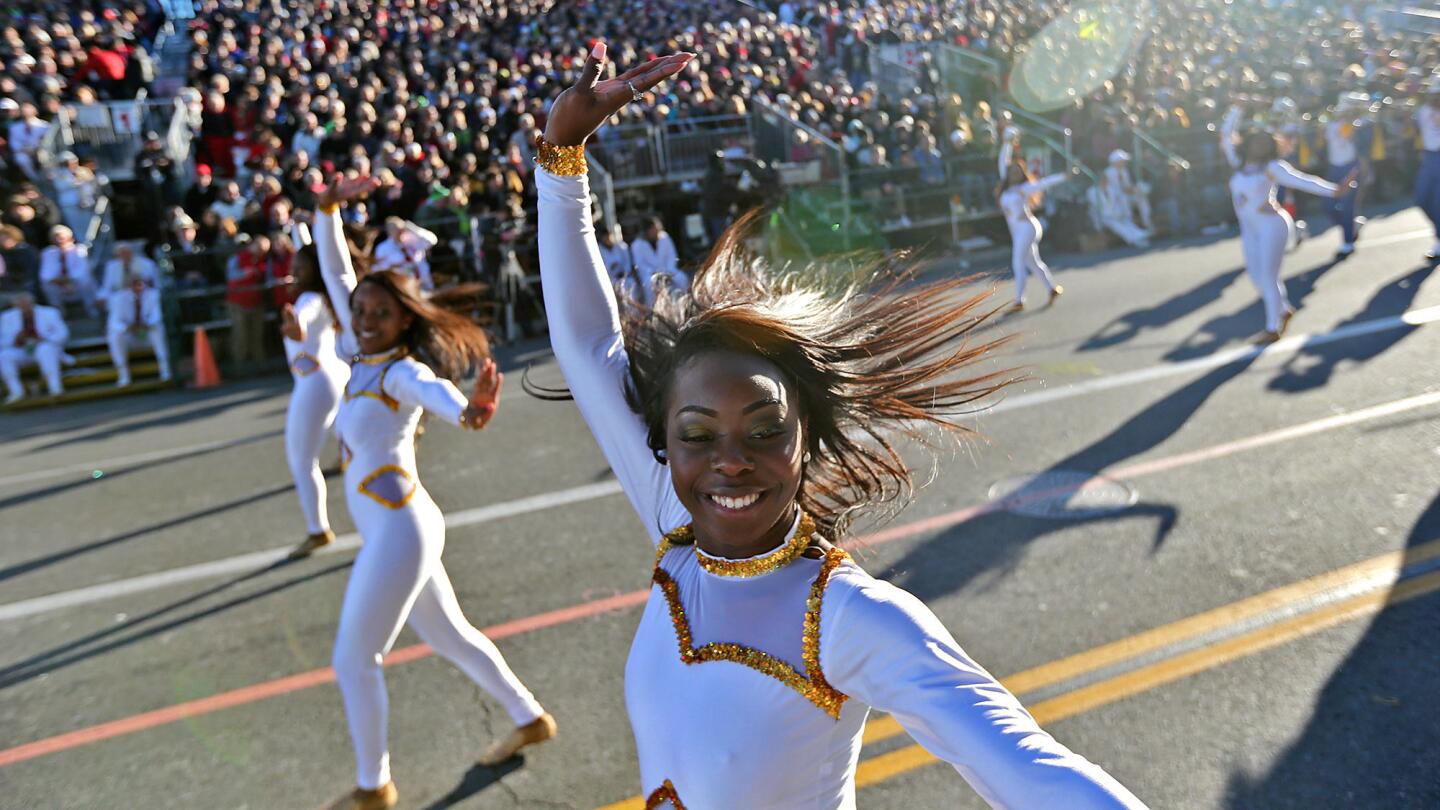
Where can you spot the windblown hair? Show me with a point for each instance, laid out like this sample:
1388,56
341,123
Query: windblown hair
306,269
1260,144
871,363
448,342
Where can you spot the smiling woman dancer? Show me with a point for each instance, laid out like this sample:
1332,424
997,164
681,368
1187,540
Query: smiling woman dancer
308,327
401,343
746,420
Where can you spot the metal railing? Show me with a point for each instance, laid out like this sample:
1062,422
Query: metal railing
1057,137
112,133
637,155
780,139
1143,142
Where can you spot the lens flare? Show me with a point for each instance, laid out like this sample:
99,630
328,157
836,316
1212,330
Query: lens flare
1078,52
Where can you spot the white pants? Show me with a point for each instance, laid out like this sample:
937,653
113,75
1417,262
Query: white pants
120,339
1262,240
1025,256
1125,228
46,355
309,417
82,287
398,577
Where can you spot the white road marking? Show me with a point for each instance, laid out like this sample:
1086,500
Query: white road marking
483,514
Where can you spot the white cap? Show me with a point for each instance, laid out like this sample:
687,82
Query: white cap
1119,155
9,104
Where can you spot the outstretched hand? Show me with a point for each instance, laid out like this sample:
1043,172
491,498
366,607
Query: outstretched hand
485,399
290,325
343,189
585,105
1349,184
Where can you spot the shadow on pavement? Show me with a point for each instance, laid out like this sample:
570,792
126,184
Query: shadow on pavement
114,638
1312,366
995,541
61,556
1216,332
163,418
1372,740
475,780
1128,326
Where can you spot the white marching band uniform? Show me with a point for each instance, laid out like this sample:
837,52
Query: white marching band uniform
117,276
1129,196
320,376
1025,233
398,576
65,275
131,313
743,691
47,350
1265,226
657,260
409,253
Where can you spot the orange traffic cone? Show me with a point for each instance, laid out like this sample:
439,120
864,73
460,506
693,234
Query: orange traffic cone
207,374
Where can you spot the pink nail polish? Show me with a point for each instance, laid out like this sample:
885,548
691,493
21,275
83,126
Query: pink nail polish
598,52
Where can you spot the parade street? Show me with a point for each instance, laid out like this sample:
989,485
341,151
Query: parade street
1211,569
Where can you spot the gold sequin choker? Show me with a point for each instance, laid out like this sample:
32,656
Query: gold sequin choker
753,566
383,357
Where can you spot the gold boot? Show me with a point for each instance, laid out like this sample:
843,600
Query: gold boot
381,798
531,733
312,543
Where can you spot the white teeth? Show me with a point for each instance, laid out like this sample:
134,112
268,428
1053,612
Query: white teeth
736,503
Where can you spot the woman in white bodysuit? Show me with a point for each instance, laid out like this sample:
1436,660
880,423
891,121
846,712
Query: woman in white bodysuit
1019,195
309,329
745,420
1265,227
406,352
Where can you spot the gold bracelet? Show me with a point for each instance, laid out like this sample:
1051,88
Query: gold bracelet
562,161
330,209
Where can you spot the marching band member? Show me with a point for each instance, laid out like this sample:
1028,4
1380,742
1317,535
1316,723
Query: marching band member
1427,185
406,248
135,313
126,266
729,417
1019,196
1345,147
31,334
308,328
1128,196
1264,225
655,260
406,352
65,271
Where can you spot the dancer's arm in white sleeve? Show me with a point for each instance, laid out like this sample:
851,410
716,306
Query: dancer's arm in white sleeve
1044,183
310,314
1227,136
338,273
414,383
1007,150
585,334
882,646
1291,177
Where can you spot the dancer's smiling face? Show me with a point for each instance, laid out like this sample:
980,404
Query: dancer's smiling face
378,318
735,443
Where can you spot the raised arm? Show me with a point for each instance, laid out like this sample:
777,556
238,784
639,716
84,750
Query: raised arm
579,299
1227,135
334,255
1291,177
1044,183
882,646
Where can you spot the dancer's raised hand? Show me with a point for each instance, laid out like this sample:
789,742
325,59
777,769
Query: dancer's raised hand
290,325
343,189
584,106
485,399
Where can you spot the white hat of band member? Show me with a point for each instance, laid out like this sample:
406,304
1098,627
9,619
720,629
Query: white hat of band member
1119,156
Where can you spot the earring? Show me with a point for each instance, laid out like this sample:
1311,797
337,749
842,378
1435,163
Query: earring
805,458
659,454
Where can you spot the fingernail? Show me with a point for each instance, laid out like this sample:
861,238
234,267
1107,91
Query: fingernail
598,52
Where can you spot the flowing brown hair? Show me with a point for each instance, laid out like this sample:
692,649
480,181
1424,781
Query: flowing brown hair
872,361
446,341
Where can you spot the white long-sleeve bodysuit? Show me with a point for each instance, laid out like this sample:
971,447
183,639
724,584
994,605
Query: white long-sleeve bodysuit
755,722
320,375
1265,227
398,575
1025,233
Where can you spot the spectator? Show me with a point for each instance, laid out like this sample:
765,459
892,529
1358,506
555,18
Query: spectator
22,264
406,249
228,203
65,273
656,261
202,193
615,255
125,267
31,334
77,190
26,134
1125,195
135,315
245,281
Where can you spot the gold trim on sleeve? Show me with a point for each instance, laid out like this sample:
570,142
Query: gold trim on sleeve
661,795
562,161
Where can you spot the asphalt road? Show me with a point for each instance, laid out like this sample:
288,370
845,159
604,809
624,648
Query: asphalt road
1239,612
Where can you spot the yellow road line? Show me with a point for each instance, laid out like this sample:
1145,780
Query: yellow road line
1366,579
886,766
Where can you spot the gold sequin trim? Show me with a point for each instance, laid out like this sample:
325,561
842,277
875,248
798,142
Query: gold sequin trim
661,795
389,401
812,686
381,499
376,359
562,161
304,372
754,567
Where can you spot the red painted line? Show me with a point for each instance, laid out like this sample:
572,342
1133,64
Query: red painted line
583,610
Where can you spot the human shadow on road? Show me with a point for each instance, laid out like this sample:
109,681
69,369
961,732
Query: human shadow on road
120,635
26,567
1128,326
475,780
159,417
83,479
1372,740
994,541
1312,366
1216,332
